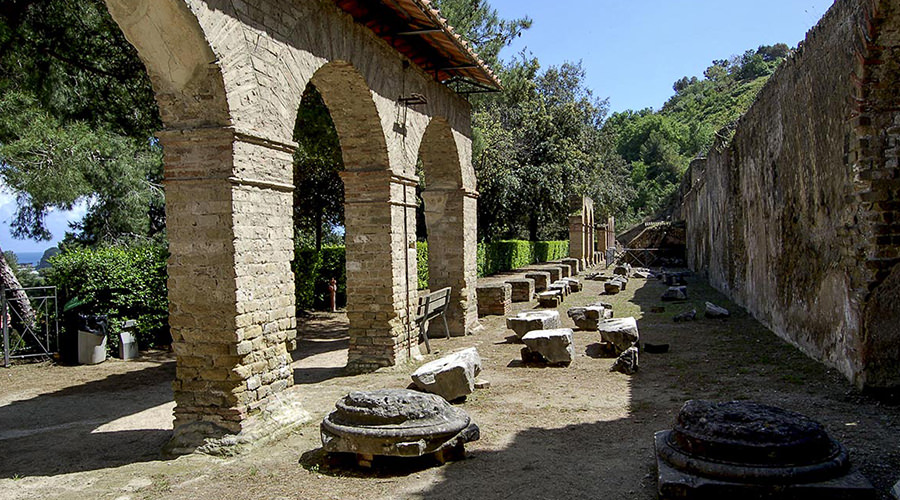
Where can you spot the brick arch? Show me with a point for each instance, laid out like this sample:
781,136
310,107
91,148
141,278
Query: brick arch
450,218
182,67
356,119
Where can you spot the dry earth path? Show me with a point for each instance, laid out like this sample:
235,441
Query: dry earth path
576,432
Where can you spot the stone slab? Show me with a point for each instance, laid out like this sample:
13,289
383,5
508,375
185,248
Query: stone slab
450,377
627,362
620,332
587,317
555,346
550,298
675,293
527,321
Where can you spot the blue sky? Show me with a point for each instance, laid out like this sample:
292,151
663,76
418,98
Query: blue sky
632,51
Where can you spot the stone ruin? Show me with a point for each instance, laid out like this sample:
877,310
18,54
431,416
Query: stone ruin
397,422
582,241
744,450
554,347
451,377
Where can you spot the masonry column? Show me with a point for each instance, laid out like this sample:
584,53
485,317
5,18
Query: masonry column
450,215
230,284
576,236
380,222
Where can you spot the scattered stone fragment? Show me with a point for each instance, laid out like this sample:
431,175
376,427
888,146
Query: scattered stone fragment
482,384
574,284
622,333
655,348
676,279
623,280
714,311
555,346
527,321
587,317
644,275
895,491
627,362
561,286
622,270
450,377
612,287
675,293
550,298
686,316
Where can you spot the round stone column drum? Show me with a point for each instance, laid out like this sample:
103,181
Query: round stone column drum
741,449
397,422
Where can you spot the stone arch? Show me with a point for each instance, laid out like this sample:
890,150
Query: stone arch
355,116
450,218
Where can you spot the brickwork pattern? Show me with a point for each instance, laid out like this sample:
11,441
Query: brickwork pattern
796,217
541,280
494,299
522,289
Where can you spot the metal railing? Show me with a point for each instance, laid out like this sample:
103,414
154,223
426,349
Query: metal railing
23,338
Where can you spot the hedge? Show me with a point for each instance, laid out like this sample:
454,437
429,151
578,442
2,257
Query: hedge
313,270
120,282
312,273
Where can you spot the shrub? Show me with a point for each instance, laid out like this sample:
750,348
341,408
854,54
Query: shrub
121,282
422,264
506,255
545,251
312,273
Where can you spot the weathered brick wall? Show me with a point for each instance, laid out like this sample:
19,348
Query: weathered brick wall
228,77
795,218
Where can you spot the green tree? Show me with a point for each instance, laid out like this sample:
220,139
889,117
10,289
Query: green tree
76,121
319,191
482,26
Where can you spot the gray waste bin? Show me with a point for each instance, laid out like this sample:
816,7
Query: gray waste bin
91,339
128,346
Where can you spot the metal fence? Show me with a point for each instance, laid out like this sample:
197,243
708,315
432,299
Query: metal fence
22,337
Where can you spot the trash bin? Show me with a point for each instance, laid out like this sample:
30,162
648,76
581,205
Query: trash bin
91,339
128,346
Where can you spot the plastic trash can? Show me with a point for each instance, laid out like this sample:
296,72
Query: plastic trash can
91,339
128,346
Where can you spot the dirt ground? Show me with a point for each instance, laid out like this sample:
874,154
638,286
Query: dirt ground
576,432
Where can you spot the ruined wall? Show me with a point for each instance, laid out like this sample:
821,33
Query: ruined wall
797,217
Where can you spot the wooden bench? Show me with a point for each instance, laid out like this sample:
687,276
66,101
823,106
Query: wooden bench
431,306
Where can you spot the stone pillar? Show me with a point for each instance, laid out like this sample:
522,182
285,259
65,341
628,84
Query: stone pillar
380,221
452,249
228,207
576,237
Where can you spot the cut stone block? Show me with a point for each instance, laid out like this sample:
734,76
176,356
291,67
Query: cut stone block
744,450
494,299
612,287
555,272
622,270
564,270
714,311
555,346
550,298
527,321
522,289
622,333
627,362
675,279
623,280
574,266
541,280
675,293
561,286
450,377
574,284
686,316
644,275
587,317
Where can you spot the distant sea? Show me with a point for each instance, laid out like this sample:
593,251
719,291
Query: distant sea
33,258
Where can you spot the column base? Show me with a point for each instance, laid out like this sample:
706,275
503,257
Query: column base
276,419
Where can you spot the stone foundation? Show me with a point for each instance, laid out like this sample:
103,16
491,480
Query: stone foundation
522,289
494,299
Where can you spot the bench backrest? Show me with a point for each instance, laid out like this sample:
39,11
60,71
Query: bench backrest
433,304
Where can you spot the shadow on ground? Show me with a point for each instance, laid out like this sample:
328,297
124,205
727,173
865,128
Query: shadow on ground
91,426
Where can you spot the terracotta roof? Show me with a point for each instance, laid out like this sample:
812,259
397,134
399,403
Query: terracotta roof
417,30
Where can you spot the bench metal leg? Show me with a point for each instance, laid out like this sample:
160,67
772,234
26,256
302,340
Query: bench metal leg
446,328
423,330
